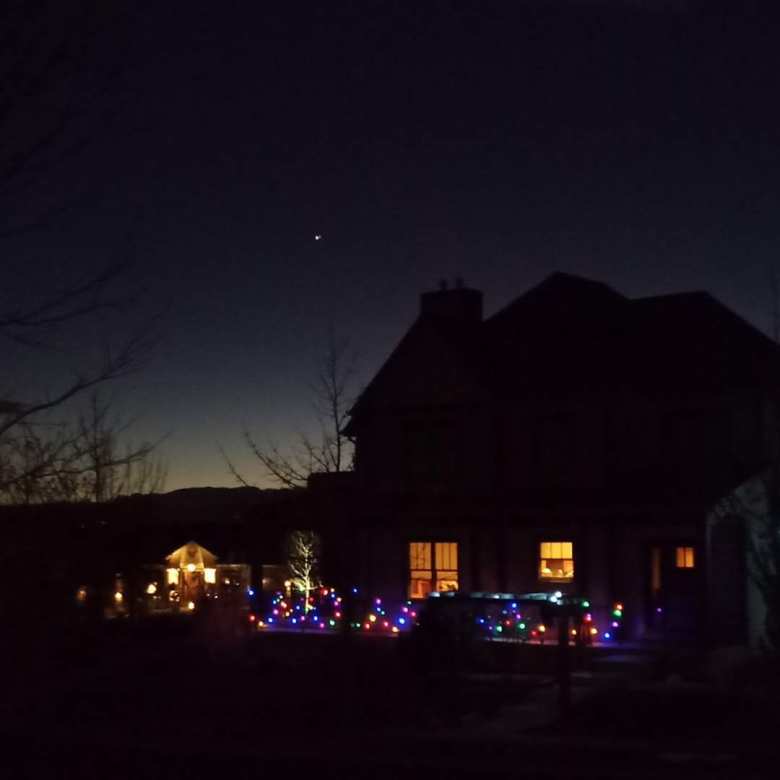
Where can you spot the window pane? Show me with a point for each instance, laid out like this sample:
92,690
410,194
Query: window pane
684,558
556,561
447,581
447,555
419,588
419,555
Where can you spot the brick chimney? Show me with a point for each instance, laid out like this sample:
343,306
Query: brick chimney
459,303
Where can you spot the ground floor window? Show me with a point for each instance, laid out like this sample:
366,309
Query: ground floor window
556,561
684,558
433,566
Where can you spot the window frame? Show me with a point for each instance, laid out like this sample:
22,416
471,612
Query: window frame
685,557
542,558
434,573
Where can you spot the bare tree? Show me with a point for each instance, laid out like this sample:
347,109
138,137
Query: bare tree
331,450
58,61
89,460
303,555
103,464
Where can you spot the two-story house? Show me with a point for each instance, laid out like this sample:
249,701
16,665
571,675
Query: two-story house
574,440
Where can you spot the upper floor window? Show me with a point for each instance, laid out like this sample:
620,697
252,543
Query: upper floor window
684,558
433,566
556,561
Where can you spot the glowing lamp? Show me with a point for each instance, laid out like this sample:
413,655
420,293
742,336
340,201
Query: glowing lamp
395,629
593,631
191,567
190,605
574,632
607,635
372,618
118,596
542,628
151,589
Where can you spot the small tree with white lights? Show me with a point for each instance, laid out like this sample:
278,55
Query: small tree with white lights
303,557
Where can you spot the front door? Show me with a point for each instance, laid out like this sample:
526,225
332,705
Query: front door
673,589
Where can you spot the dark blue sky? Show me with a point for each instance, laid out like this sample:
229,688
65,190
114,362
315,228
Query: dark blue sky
634,142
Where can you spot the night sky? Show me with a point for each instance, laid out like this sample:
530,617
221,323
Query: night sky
633,142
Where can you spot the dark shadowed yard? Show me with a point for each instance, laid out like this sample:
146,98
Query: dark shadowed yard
164,700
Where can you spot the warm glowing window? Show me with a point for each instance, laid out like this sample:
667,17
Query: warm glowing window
684,558
556,561
210,575
433,566
173,576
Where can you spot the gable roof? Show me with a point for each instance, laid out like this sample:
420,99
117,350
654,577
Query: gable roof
571,333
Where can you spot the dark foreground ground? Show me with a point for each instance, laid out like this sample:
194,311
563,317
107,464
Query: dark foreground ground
166,701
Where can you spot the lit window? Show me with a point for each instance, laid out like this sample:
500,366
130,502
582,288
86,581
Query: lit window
210,575
556,561
684,558
173,576
433,566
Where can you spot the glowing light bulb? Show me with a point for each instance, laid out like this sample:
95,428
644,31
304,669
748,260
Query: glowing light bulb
190,567
151,589
190,605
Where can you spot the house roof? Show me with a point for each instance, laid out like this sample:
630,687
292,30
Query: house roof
572,333
191,553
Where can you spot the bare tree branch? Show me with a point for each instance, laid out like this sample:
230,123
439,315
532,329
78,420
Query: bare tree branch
331,401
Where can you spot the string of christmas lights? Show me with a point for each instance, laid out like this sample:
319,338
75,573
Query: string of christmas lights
324,610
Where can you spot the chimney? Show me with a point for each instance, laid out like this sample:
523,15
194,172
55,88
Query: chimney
461,304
